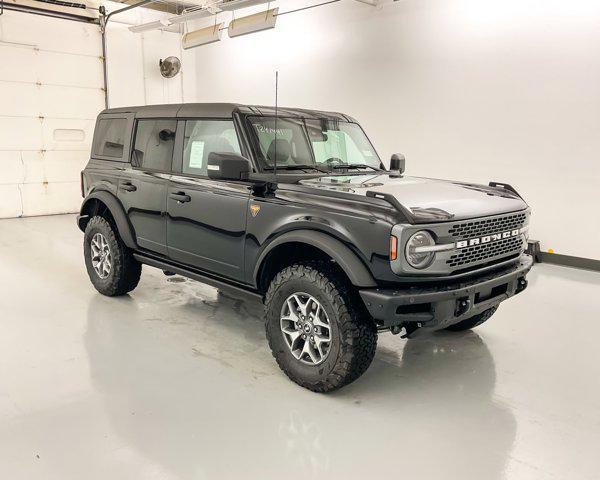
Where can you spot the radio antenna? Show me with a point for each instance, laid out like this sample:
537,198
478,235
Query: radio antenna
276,114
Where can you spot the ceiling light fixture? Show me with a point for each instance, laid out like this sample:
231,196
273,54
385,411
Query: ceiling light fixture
144,27
237,4
203,36
253,23
204,11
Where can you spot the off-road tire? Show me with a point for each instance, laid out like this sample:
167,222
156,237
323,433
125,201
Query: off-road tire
353,332
472,322
125,270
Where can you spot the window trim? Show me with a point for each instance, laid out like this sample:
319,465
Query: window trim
134,135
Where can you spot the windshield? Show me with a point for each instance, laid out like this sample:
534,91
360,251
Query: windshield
321,144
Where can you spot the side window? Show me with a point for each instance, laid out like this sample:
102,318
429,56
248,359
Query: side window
154,142
109,137
203,137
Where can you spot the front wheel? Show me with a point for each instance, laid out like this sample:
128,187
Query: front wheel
472,322
317,329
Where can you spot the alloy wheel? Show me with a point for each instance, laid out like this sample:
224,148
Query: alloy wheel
101,255
306,328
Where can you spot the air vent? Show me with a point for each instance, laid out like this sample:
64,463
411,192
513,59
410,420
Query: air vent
477,228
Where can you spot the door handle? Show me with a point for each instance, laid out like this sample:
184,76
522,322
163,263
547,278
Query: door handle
181,197
128,187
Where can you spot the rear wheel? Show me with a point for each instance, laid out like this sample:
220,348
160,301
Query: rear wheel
472,322
317,329
110,265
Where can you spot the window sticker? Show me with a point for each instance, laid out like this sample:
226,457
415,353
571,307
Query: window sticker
269,130
197,154
367,153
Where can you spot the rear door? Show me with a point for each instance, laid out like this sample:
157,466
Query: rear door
206,219
143,186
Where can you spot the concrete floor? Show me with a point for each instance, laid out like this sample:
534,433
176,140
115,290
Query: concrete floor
176,382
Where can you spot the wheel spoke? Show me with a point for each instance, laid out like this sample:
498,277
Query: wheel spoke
319,323
290,330
305,328
308,349
293,314
100,255
294,337
302,306
319,346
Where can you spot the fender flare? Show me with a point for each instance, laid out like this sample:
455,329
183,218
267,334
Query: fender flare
349,262
116,209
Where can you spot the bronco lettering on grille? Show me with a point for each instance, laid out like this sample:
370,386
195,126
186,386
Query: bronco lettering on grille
486,239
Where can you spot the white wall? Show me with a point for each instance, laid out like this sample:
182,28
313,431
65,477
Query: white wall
51,85
133,73
474,90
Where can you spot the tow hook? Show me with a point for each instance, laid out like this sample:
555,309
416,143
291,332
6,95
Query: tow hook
521,285
463,305
405,330
396,329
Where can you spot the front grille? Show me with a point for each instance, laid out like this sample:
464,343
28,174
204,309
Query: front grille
477,228
477,253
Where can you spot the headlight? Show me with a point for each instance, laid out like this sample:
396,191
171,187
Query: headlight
415,258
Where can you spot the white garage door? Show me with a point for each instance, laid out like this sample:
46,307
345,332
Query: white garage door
50,93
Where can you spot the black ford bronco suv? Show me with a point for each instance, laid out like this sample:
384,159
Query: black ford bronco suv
296,208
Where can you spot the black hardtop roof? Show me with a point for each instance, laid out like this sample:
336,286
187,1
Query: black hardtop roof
222,110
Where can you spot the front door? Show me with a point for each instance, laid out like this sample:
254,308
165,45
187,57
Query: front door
143,187
206,219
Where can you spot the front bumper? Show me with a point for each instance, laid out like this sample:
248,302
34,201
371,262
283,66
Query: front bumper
441,305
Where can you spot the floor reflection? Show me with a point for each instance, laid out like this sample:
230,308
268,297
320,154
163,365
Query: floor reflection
188,382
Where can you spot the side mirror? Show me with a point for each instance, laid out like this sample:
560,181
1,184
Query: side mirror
398,163
227,166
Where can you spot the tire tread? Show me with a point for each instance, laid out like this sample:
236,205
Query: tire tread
127,270
357,330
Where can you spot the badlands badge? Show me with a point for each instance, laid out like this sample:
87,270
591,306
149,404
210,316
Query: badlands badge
254,209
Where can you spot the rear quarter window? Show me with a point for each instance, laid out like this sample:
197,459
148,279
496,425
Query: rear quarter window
109,138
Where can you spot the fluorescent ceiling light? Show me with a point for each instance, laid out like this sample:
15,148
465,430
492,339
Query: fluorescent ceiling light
253,23
194,14
203,36
237,4
144,27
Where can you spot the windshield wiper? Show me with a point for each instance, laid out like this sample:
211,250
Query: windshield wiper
355,165
298,167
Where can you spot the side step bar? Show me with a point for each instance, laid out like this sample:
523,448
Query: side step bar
195,275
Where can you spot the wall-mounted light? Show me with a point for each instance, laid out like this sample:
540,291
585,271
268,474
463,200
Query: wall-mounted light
203,36
253,23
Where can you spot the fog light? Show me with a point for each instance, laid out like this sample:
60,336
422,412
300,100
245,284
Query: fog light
415,258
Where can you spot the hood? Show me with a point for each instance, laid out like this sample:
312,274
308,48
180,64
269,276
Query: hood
427,199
